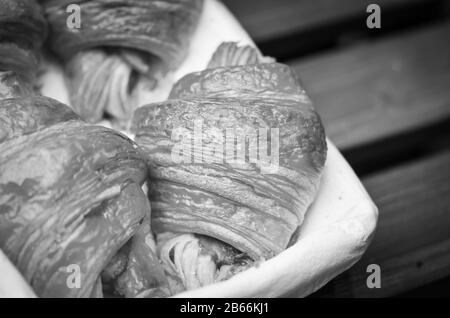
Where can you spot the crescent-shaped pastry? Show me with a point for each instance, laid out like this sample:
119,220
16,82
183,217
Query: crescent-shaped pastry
235,156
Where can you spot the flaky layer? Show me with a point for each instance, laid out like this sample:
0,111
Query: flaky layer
252,204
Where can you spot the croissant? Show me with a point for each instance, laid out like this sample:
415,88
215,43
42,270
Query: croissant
22,32
120,45
218,211
71,201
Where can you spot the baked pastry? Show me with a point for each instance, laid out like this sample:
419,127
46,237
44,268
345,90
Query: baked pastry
219,201
234,156
22,32
121,44
70,195
71,201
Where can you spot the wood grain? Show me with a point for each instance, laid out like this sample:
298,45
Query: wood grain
382,88
267,20
412,242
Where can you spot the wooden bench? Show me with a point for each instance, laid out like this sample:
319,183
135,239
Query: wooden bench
412,242
385,102
286,28
267,19
386,99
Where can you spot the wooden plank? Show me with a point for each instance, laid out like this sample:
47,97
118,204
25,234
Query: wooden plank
267,20
412,242
401,148
382,88
439,288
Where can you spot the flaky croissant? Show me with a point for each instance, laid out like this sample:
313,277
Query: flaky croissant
216,215
71,201
22,32
120,44
70,195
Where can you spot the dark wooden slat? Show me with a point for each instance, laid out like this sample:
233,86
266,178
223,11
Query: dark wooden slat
412,242
402,148
267,20
381,88
435,289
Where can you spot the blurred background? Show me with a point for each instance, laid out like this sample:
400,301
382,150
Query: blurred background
384,97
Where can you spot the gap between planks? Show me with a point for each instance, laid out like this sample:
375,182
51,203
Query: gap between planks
270,20
382,88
